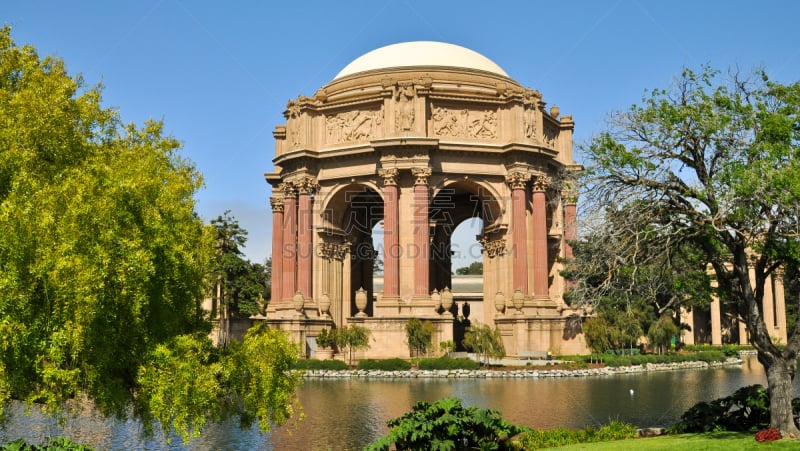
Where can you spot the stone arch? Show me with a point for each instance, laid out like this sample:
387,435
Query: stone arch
350,213
452,204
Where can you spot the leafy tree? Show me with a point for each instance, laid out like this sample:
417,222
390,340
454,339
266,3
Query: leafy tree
714,165
351,338
474,268
419,335
597,333
614,270
104,263
662,332
484,341
447,425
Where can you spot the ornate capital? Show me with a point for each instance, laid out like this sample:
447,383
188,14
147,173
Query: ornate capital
287,189
276,203
389,176
305,185
422,175
541,183
517,180
494,248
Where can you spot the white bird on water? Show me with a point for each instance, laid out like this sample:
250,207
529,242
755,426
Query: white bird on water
631,392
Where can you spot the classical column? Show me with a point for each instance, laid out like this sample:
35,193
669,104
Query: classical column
277,248
768,304
305,187
289,242
519,234
780,306
391,234
540,270
421,243
347,280
716,322
687,317
570,222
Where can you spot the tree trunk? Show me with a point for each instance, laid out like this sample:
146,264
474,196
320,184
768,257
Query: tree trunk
780,375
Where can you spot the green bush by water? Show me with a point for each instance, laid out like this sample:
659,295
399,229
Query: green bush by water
314,364
448,363
384,364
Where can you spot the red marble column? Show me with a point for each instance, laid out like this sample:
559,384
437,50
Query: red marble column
540,270
570,226
519,232
421,243
277,248
304,237
289,242
391,234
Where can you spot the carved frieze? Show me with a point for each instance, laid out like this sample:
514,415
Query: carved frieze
464,123
354,126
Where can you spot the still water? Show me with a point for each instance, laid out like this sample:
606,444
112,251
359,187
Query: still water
347,414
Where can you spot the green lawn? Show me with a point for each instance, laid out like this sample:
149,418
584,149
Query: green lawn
722,441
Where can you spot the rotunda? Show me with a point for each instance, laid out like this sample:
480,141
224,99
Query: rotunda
387,159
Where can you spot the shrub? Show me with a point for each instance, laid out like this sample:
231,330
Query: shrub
384,364
314,364
448,363
55,444
614,430
445,424
747,409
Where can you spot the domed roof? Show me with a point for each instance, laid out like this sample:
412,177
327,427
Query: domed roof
420,53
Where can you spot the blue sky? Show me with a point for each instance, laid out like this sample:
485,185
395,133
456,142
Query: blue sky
220,73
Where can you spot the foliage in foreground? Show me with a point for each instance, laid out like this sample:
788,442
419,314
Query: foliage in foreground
187,381
102,256
55,444
746,410
447,425
537,439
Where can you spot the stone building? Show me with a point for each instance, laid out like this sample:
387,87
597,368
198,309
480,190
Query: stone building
411,140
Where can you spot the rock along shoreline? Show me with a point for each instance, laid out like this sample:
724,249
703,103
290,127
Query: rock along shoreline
522,373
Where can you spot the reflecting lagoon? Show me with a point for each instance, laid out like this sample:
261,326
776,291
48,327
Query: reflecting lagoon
343,414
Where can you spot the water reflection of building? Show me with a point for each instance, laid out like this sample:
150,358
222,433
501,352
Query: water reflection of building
414,139
722,324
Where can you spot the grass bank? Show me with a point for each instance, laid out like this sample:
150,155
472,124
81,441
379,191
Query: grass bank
716,441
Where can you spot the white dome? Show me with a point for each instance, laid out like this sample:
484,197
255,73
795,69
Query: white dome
420,53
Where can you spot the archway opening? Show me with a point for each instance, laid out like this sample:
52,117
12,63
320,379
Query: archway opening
362,217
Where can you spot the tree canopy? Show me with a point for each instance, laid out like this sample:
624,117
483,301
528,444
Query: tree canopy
103,260
711,164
